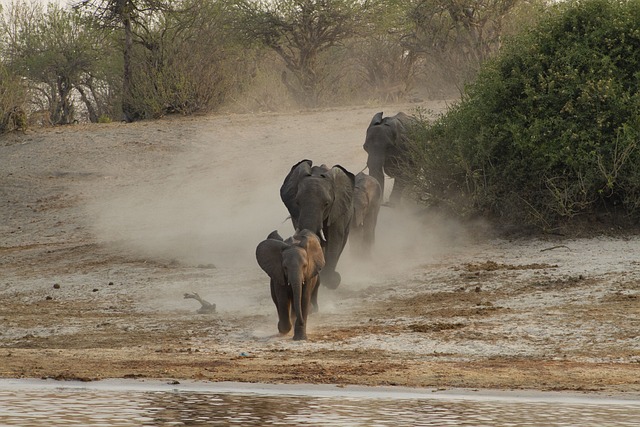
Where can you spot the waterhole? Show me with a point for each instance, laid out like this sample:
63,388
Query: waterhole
110,404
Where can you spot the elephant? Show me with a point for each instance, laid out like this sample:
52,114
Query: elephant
367,199
386,146
320,199
293,266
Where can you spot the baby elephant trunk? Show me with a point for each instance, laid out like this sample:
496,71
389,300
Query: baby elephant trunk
300,332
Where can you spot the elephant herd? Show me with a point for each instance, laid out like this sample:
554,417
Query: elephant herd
326,205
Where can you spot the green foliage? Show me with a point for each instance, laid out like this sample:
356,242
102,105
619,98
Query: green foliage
104,119
457,35
302,33
56,52
12,102
183,60
550,128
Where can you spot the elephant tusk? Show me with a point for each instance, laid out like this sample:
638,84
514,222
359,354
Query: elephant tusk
322,235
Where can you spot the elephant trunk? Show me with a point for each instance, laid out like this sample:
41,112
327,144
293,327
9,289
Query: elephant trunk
300,329
376,170
311,218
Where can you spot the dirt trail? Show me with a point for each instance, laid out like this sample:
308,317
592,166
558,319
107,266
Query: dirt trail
105,227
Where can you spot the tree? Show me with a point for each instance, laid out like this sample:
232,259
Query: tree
12,101
12,92
299,31
124,15
458,34
187,60
54,50
179,56
384,61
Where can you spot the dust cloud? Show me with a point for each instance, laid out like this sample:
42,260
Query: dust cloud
407,237
195,217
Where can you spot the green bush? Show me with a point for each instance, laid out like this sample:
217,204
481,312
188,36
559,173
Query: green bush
104,119
550,128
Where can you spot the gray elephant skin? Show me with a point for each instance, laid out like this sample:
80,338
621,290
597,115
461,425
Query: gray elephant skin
386,146
367,199
293,267
320,199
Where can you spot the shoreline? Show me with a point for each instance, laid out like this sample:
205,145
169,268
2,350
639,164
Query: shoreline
323,391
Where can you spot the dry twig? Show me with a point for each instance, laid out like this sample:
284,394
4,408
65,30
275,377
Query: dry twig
207,307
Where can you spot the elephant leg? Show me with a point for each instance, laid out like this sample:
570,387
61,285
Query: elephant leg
336,241
396,192
369,232
331,279
356,240
282,299
368,238
274,297
314,296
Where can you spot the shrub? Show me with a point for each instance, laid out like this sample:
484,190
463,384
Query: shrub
189,62
104,119
12,102
550,128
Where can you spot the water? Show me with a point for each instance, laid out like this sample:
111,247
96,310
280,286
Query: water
110,404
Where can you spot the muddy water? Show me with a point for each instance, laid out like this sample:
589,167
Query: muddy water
40,403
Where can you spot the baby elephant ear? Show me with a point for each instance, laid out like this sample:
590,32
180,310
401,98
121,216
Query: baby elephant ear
269,257
377,119
275,235
314,249
311,243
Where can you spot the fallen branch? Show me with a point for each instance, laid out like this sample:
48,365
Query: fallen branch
207,307
555,247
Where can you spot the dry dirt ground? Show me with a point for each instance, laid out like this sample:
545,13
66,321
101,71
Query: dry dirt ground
105,228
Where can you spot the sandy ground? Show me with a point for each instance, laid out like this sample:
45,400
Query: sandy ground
105,228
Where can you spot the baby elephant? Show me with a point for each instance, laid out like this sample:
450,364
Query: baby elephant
367,197
293,266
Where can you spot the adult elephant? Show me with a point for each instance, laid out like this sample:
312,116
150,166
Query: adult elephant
386,146
320,199
366,205
293,266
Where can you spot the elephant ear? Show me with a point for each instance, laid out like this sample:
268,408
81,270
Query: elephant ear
269,257
289,188
377,119
310,242
275,235
343,186
403,122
